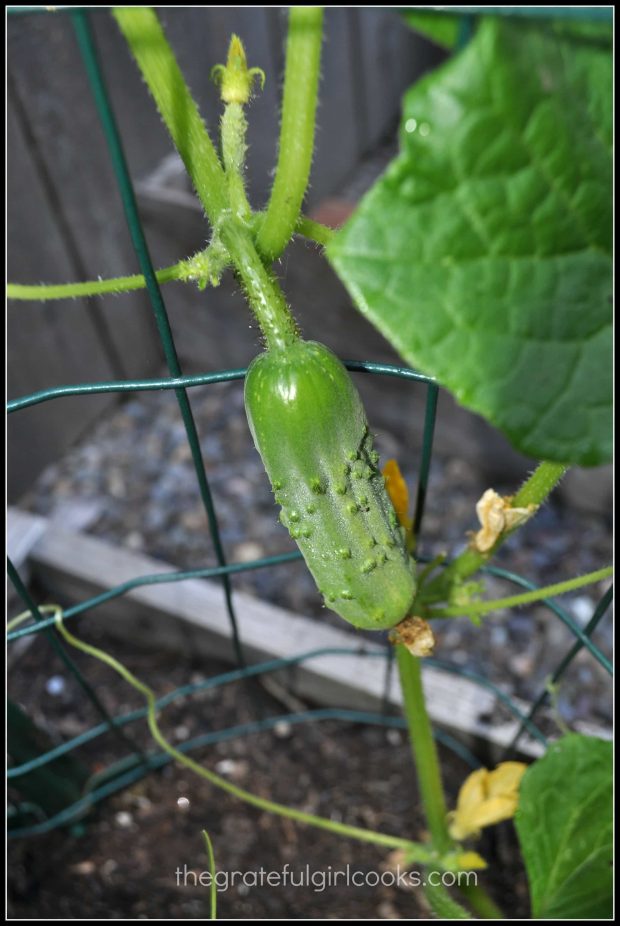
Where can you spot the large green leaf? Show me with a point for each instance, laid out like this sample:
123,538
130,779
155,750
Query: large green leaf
484,252
441,28
564,822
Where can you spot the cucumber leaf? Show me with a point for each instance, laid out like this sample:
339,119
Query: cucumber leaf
483,254
564,823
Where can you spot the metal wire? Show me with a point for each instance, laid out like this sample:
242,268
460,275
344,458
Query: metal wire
218,681
599,613
112,135
58,647
158,760
202,379
135,764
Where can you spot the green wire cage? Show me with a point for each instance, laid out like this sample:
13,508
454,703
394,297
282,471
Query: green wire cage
26,820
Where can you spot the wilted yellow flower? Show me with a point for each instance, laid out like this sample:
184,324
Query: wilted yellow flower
497,516
396,488
486,798
416,635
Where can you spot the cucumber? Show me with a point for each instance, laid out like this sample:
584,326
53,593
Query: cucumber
309,426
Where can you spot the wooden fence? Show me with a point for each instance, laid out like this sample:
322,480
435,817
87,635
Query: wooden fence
65,219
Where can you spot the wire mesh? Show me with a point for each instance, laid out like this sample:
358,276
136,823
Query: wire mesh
136,763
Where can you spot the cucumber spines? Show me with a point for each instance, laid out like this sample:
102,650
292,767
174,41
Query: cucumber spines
309,426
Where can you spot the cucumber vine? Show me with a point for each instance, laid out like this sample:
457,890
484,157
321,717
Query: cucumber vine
325,476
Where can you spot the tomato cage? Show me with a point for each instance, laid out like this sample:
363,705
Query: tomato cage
30,819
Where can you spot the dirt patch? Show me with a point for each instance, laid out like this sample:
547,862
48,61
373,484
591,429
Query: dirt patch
122,860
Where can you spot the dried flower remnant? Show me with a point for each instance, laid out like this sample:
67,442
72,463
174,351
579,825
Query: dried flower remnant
415,634
497,517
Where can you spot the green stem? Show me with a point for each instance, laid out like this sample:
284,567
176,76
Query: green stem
442,904
322,234
480,902
423,748
42,609
213,888
426,762
478,608
416,851
180,114
308,228
234,128
301,81
534,491
156,60
46,292
261,287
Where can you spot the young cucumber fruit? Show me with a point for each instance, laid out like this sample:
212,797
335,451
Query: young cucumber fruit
309,426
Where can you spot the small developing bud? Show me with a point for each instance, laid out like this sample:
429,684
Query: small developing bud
235,78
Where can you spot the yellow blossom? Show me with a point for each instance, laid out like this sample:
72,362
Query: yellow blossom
461,861
486,798
469,861
397,490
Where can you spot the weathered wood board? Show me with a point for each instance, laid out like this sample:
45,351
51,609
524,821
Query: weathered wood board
189,617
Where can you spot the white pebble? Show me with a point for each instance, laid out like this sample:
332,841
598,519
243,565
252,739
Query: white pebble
282,729
582,609
55,685
123,819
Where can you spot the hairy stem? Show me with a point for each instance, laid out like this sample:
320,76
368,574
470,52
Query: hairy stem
426,761
261,287
423,747
442,904
539,485
534,491
45,292
234,127
322,234
478,608
180,114
301,81
160,70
